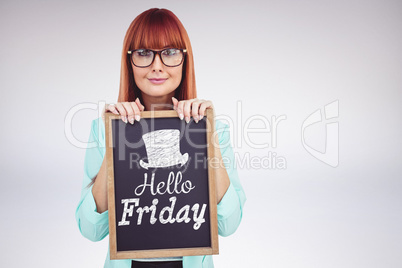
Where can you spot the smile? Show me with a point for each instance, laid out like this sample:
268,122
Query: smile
157,81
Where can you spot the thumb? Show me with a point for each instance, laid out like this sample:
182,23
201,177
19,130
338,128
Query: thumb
175,102
139,104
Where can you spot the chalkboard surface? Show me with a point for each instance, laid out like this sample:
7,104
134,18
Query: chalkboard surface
160,186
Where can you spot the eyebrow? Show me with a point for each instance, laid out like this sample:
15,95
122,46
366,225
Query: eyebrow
168,46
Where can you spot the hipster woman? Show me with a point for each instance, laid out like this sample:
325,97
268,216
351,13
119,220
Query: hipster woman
157,73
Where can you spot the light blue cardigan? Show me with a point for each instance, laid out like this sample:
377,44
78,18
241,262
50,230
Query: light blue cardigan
95,226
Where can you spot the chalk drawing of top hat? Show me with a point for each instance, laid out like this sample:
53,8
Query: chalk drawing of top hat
163,149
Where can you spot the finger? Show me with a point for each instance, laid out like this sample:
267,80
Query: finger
136,110
187,109
203,107
120,108
175,103
180,107
139,104
194,110
112,108
130,112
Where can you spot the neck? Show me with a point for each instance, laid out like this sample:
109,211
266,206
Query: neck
153,103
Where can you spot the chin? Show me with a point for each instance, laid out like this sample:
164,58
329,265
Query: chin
157,93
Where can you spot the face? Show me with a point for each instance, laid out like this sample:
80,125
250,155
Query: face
157,80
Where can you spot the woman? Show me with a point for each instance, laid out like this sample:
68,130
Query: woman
157,73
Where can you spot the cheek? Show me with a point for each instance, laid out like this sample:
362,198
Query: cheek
178,75
138,74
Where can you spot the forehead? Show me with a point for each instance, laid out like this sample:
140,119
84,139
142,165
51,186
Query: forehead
156,43
157,36
158,48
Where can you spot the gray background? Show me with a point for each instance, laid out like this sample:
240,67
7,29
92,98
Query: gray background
275,58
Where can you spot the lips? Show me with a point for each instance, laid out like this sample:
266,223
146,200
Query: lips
157,81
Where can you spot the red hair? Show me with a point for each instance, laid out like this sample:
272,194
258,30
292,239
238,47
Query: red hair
156,28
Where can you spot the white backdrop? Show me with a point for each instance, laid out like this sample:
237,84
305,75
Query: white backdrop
256,60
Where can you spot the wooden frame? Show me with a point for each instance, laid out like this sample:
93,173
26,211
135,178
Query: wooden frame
170,252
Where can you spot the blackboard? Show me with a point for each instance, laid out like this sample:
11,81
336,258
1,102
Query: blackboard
161,186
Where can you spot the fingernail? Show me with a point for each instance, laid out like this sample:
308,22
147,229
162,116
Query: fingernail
201,117
131,121
124,118
187,119
137,117
181,116
196,119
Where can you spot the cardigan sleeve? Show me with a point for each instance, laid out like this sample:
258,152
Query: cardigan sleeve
92,225
230,208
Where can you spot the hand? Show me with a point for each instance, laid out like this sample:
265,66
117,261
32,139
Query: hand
128,110
194,107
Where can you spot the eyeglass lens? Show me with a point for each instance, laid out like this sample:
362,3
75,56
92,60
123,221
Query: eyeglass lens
170,57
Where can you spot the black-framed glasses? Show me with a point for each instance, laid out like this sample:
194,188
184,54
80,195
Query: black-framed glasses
170,57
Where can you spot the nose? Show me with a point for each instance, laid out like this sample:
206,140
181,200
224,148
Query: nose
157,65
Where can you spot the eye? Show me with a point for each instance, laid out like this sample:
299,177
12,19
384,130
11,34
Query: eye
143,52
171,51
